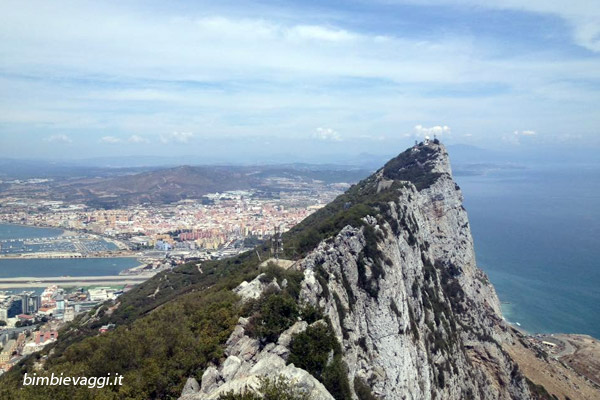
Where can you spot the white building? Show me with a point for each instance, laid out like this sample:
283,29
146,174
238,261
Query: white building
69,314
101,293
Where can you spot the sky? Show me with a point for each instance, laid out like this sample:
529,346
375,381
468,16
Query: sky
301,80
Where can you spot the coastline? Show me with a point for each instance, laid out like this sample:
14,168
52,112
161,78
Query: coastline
122,249
65,231
548,274
61,265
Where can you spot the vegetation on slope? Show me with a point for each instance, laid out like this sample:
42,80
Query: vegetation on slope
361,200
162,337
154,354
413,166
271,389
312,350
173,325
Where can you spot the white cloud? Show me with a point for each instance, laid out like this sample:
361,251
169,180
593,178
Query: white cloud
524,133
176,137
282,71
59,139
437,130
515,138
134,95
320,33
137,139
583,16
327,134
379,138
110,140
212,48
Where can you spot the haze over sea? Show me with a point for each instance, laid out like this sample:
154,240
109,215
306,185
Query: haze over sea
537,235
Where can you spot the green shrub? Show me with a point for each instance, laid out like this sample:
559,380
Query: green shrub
155,354
310,313
362,390
538,392
292,277
335,379
277,312
414,167
311,350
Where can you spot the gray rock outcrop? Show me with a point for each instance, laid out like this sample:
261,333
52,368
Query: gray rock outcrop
415,316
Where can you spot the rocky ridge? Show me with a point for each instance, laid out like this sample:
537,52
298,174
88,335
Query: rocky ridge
415,317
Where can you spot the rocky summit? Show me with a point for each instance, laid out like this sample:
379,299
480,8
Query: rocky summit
414,316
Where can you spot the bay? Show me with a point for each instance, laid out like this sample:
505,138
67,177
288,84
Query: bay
11,231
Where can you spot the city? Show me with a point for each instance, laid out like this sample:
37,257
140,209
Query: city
217,221
30,321
160,237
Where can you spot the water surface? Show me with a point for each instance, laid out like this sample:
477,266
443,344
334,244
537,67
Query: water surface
537,235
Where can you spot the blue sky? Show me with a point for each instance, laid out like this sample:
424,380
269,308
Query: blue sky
89,79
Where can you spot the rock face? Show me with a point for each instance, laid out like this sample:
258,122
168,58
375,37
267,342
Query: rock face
246,364
415,316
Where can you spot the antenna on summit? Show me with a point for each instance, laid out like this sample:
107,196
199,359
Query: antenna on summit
276,242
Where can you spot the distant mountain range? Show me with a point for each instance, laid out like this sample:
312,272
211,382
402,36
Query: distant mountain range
99,187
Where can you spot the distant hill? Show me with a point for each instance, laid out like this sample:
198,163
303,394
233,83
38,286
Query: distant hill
110,188
165,186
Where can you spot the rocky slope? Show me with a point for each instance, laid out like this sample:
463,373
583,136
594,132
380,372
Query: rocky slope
379,298
415,317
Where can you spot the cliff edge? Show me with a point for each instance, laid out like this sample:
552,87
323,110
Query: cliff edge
399,286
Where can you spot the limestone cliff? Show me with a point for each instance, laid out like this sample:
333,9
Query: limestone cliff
415,317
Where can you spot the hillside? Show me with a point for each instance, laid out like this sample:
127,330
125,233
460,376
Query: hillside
383,301
167,185
112,188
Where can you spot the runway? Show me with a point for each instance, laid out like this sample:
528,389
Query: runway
23,282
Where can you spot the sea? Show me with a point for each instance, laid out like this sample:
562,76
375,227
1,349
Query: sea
537,235
10,231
